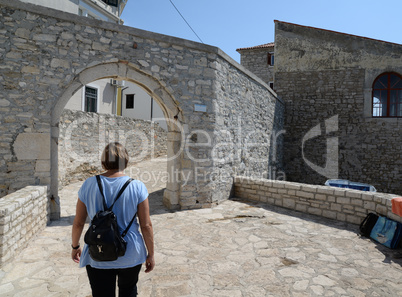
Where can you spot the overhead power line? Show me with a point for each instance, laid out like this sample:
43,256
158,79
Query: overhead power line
186,21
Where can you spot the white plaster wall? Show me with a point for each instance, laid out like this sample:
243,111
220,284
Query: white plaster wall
91,11
70,6
142,102
158,116
142,105
75,103
106,97
94,8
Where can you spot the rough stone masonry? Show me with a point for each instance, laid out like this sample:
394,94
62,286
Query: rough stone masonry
220,116
322,75
82,137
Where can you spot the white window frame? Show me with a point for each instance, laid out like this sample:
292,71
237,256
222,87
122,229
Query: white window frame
97,97
272,54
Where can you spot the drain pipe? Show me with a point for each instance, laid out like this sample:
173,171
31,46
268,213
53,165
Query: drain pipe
121,99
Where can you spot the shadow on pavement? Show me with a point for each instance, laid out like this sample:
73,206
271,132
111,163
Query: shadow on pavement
391,255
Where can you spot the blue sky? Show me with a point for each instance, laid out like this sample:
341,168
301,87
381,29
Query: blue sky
232,24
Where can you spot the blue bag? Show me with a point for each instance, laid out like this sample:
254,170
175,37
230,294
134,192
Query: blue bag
387,232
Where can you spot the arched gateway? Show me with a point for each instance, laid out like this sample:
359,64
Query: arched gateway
220,116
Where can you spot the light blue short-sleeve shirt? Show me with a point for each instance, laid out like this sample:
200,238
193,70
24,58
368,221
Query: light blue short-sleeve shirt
124,209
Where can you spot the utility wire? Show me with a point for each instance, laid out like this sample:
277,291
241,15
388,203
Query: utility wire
186,21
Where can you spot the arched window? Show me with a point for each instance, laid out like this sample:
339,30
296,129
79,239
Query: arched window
387,95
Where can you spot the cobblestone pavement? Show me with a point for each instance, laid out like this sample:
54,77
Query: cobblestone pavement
235,249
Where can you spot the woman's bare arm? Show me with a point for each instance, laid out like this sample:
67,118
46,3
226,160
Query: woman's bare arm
147,233
78,226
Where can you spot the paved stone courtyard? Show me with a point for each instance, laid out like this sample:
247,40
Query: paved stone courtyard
235,249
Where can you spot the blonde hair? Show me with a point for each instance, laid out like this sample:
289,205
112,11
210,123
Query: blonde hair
114,157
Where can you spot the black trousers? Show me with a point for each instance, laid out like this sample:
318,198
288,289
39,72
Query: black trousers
103,281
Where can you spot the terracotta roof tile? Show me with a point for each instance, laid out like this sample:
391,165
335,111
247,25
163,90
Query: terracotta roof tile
266,45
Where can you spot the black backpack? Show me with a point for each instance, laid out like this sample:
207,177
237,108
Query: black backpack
103,237
368,224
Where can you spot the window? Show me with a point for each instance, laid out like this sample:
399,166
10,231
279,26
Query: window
111,2
271,85
91,99
129,101
271,59
387,95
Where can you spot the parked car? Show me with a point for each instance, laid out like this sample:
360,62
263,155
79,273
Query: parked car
343,183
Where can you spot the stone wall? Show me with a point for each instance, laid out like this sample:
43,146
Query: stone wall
237,137
84,135
325,79
248,120
48,55
256,60
23,214
345,205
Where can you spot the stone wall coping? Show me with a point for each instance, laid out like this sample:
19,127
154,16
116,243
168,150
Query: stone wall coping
15,200
339,203
82,20
23,214
313,188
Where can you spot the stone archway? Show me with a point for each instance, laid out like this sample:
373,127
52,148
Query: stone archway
170,107
226,114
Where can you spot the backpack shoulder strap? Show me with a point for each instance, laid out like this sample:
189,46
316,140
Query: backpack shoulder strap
121,192
129,225
101,191
117,197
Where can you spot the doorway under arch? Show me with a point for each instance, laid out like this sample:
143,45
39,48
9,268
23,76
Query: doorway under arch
170,107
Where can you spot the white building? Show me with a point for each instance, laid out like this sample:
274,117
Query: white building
105,10
106,95
117,97
137,104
